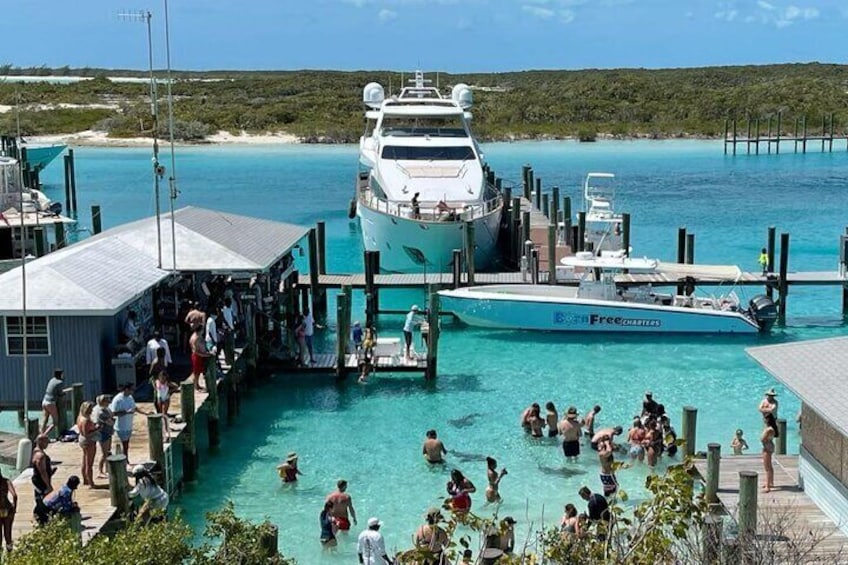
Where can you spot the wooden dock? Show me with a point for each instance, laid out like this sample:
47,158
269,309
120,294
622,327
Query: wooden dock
772,137
9,447
327,363
786,514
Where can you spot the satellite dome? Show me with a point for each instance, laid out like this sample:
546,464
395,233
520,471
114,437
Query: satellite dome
373,95
462,95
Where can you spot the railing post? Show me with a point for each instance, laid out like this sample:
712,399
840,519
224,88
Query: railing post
118,483
747,508
713,467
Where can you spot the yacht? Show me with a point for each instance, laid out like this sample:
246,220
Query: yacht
603,224
598,304
421,181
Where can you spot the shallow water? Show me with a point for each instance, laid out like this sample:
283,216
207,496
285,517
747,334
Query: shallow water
371,435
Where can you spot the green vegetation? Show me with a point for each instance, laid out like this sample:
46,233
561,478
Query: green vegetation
326,105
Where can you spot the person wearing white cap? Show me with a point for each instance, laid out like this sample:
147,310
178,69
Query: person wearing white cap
412,320
370,545
769,403
153,497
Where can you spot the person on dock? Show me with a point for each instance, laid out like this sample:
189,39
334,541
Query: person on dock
63,503
154,499
460,489
123,408
764,261
102,414
130,329
769,403
328,526
159,364
163,388
288,470
300,339
356,335
589,420
767,438
154,344
342,509
228,328
494,477
195,317
89,433
430,537
570,430
608,433
366,367
42,474
416,206
738,443
433,448
52,394
211,334
309,325
370,547
369,341
551,419
8,508
199,355
412,319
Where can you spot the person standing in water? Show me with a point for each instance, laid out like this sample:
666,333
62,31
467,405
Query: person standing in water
494,477
328,526
433,448
570,431
342,509
589,420
551,419
288,470
460,490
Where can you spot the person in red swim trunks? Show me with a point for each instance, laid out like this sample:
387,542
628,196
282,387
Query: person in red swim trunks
460,489
342,506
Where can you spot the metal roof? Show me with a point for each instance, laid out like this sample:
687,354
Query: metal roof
815,371
102,274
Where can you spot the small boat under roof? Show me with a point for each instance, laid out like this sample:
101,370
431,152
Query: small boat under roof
597,304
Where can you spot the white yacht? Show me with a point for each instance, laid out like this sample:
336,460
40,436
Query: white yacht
422,181
603,224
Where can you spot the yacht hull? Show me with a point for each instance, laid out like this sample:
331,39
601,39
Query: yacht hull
413,246
529,307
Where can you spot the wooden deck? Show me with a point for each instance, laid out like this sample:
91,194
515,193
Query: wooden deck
95,504
325,363
785,508
9,448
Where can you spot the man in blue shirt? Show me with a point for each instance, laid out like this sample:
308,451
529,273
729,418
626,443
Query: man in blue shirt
63,503
412,320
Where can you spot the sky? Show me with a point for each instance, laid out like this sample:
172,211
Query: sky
445,35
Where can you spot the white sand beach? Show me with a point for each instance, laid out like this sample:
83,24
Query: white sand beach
92,138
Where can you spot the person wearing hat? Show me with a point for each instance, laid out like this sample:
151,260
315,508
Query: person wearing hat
412,320
288,470
430,537
152,496
769,403
649,405
371,547
507,534
570,429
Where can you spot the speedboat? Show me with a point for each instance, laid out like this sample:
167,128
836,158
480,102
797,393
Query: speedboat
421,181
603,224
596,303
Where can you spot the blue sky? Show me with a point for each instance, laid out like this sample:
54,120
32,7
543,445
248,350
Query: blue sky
447,35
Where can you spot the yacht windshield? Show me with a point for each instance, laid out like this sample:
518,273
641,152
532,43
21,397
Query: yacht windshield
442,126
406,153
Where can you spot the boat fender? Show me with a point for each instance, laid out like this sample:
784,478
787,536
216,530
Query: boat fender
351,209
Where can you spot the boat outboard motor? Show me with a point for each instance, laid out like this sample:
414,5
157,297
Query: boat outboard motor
764,311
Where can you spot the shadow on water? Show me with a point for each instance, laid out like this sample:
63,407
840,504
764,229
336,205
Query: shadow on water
464,457
561,472
465,421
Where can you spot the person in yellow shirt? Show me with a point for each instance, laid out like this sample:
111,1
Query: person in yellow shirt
764,261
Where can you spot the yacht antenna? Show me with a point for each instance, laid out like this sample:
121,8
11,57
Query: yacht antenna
172,179
158,171
25,350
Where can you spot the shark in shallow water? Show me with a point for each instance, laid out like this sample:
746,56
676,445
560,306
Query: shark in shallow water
466,421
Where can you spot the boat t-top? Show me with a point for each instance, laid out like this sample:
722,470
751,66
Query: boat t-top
599,304
603,224
421,182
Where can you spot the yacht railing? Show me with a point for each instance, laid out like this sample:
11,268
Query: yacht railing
440,212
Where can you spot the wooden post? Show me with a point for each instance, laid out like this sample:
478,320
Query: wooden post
747,508
96,220
369,288
212,401
59,232
532,182
525,179
830,142
155,436
552,233
566,218
33,428
777,140
824,131
188,435
711,539
534,265
690,420
780,449
690,248
375,268
734,135
321,232
525,229
62,407
73,173
39,236
625,233
713,466
515,231
118,486
433,307
313,275
804,135
66,162
538,194
546,205
748,138
681,252
470,247
456,268
768,145
757,127
726,129
783,286
555,205
795,135
341,336
77,397
268,541
581,231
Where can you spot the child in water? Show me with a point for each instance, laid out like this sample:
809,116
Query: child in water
738,444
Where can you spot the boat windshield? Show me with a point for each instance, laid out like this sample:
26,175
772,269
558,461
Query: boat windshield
434,126
406,153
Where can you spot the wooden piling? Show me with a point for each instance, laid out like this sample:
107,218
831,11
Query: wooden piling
552,233
566,218
515,231
59,233
538,194
581,231
321,237
690,248
189,436
525,229
77,397
625,233
555,205
713,466
456,268
269,542
525,180
777,140
804,139
531,180
433,308
747,508
118,485
212,423
770,238
681,252
782,284
318,308
62,408
73,174
726,130
96,219
370,312
546,205
534,265
155,445
341,336
780,448
689,428
375,268
33,428
66,163
39,237
470,247
711,539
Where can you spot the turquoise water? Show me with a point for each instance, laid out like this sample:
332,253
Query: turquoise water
371,434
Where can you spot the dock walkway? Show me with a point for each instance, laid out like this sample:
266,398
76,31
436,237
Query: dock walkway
786,508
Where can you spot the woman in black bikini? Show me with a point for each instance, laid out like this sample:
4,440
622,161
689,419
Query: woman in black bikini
492,493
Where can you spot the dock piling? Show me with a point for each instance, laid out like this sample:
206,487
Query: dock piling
433,308
525,232
96,219
212,423
780,448
321,235
370,311
33,428
770,239
581,231
681,251
537,194
711,540
690,248
546,205
555,205
456,268
514,231
534,265
747,509
77,398
40,240
552,234
118,483
66,163
783,285
525,179
189,435
690,421
625,233
470,247
155,446
713,466
341,335
566,219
